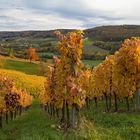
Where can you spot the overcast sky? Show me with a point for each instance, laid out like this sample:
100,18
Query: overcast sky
54,14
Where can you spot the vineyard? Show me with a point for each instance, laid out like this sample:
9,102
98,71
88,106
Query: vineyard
33,84
16,92
70,86
12,99
74,96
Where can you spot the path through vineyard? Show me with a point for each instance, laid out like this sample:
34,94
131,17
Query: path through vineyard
35,125
32,125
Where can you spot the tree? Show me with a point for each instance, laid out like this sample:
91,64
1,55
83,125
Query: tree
11,98
62,85
31,52
127,70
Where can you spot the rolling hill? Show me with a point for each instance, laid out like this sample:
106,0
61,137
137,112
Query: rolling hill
98,41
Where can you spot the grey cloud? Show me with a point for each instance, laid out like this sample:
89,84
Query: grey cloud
67,13
73,9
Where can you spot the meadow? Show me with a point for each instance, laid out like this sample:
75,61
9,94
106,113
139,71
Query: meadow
32,68
22,66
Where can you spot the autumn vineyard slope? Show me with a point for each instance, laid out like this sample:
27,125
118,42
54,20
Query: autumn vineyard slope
71,88
70,85
16,92
12,99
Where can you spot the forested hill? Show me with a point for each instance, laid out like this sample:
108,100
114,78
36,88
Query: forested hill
35,34
113,33
102,33
98,42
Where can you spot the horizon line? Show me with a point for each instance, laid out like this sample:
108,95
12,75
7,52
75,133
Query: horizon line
43,30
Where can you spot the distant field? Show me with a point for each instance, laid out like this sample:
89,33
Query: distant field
45,47
32,68
22,66
92,63
90,49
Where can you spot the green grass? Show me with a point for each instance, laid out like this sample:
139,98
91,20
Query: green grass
22,66
36,125
32,68
116,126
93,49
121,125
32,125
90,49
92,63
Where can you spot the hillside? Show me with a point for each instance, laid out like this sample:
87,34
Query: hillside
98,41
102,33
22,66
33,68
33,84
113,33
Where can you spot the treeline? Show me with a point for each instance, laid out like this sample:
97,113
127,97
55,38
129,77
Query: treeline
113,33
102,33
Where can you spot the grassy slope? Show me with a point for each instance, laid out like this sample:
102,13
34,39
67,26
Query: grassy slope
92,62
32,68
22,66
35,125
90,49
93,49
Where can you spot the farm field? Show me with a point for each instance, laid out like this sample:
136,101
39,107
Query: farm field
92,63
21,65
32,68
